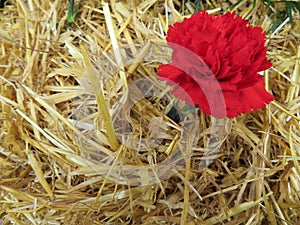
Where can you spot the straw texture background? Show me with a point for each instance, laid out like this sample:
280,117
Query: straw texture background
47,170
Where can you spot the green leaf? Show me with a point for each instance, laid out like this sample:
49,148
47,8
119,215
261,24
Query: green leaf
289,8
235,4
297,6
197,6
276,24
72,12
254,4
278,14
187,109
268,4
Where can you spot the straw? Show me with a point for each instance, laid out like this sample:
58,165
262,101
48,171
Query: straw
84,133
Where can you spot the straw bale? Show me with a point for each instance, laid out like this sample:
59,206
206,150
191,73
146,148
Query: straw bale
72,106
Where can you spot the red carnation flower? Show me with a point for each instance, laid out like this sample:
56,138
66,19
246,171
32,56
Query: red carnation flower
215,64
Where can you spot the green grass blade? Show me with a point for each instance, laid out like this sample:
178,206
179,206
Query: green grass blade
276,24
72,12
235,4
197,6
289,8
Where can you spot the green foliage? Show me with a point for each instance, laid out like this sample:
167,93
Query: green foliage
278,16
175,113
197,5
282,15
72,12
200,5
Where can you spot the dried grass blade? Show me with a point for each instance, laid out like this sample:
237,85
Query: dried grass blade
233,211
20,195
39,173
92,74
49,137
186,195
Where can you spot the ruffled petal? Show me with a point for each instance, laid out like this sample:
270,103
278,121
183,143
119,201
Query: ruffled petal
169,72
215,64
247,99
255,97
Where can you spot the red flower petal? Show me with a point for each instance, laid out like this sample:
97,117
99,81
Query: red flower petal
215,64
247,99
170,73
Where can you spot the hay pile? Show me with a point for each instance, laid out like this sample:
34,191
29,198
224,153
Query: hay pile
60,155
